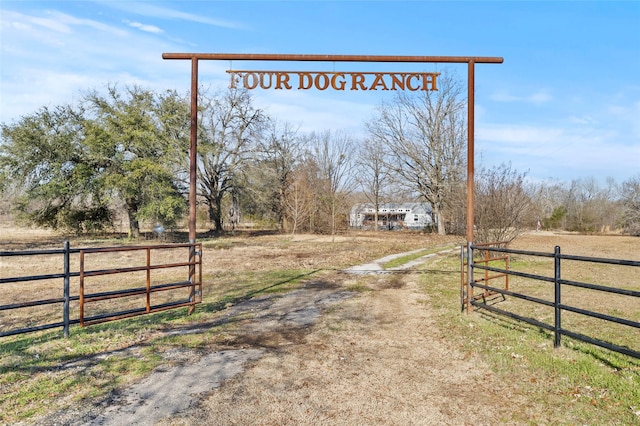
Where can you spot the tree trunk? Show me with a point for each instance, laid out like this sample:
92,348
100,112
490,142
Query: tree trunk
217,220
134,225
215,212
440,225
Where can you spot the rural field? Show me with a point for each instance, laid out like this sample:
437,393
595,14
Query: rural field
286,336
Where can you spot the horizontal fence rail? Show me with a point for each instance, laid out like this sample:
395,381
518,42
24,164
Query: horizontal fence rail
123,303
478,260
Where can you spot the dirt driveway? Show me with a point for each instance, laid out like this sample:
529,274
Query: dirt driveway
375,358
319,355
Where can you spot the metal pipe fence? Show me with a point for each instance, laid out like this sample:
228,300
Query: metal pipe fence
121,292
478,260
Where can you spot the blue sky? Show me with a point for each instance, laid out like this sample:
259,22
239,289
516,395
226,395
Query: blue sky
565,104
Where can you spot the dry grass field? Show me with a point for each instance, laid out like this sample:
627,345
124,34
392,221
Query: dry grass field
283,337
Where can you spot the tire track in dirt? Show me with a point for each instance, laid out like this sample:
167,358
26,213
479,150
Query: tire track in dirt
378,358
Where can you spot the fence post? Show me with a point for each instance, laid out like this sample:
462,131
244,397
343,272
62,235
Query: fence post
464,284
463,281
65,308
557,299
506,262
148,286
192,275
469,275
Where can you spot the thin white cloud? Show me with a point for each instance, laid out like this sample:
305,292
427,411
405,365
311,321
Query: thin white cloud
51,64
143,27
583,120
151,10
66,23
559,152
50,27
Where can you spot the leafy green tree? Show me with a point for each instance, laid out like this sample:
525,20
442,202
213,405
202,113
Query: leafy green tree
556,219
74,164
44,155
135,138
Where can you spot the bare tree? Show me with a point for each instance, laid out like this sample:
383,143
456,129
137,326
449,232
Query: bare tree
589,206
373,174
502,204
426,135
333,153
229,131
546,203
630,198
280,154
298,199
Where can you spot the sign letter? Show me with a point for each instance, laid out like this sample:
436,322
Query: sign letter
379,81
282,79
340,85
235,78
306,81
357,79
409,86
254,82
322,83
429,79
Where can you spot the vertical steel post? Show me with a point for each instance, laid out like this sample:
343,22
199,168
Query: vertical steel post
81,288
463,279
557,299
486,271
506,264
193,150
193,168
65,306
470,147
148,288
470,176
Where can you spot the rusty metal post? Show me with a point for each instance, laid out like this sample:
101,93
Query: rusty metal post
193,168
193,150
470,148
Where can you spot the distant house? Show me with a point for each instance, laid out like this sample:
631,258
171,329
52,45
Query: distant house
414,216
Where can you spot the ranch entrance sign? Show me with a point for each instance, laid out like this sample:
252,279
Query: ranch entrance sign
320,80
339,81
